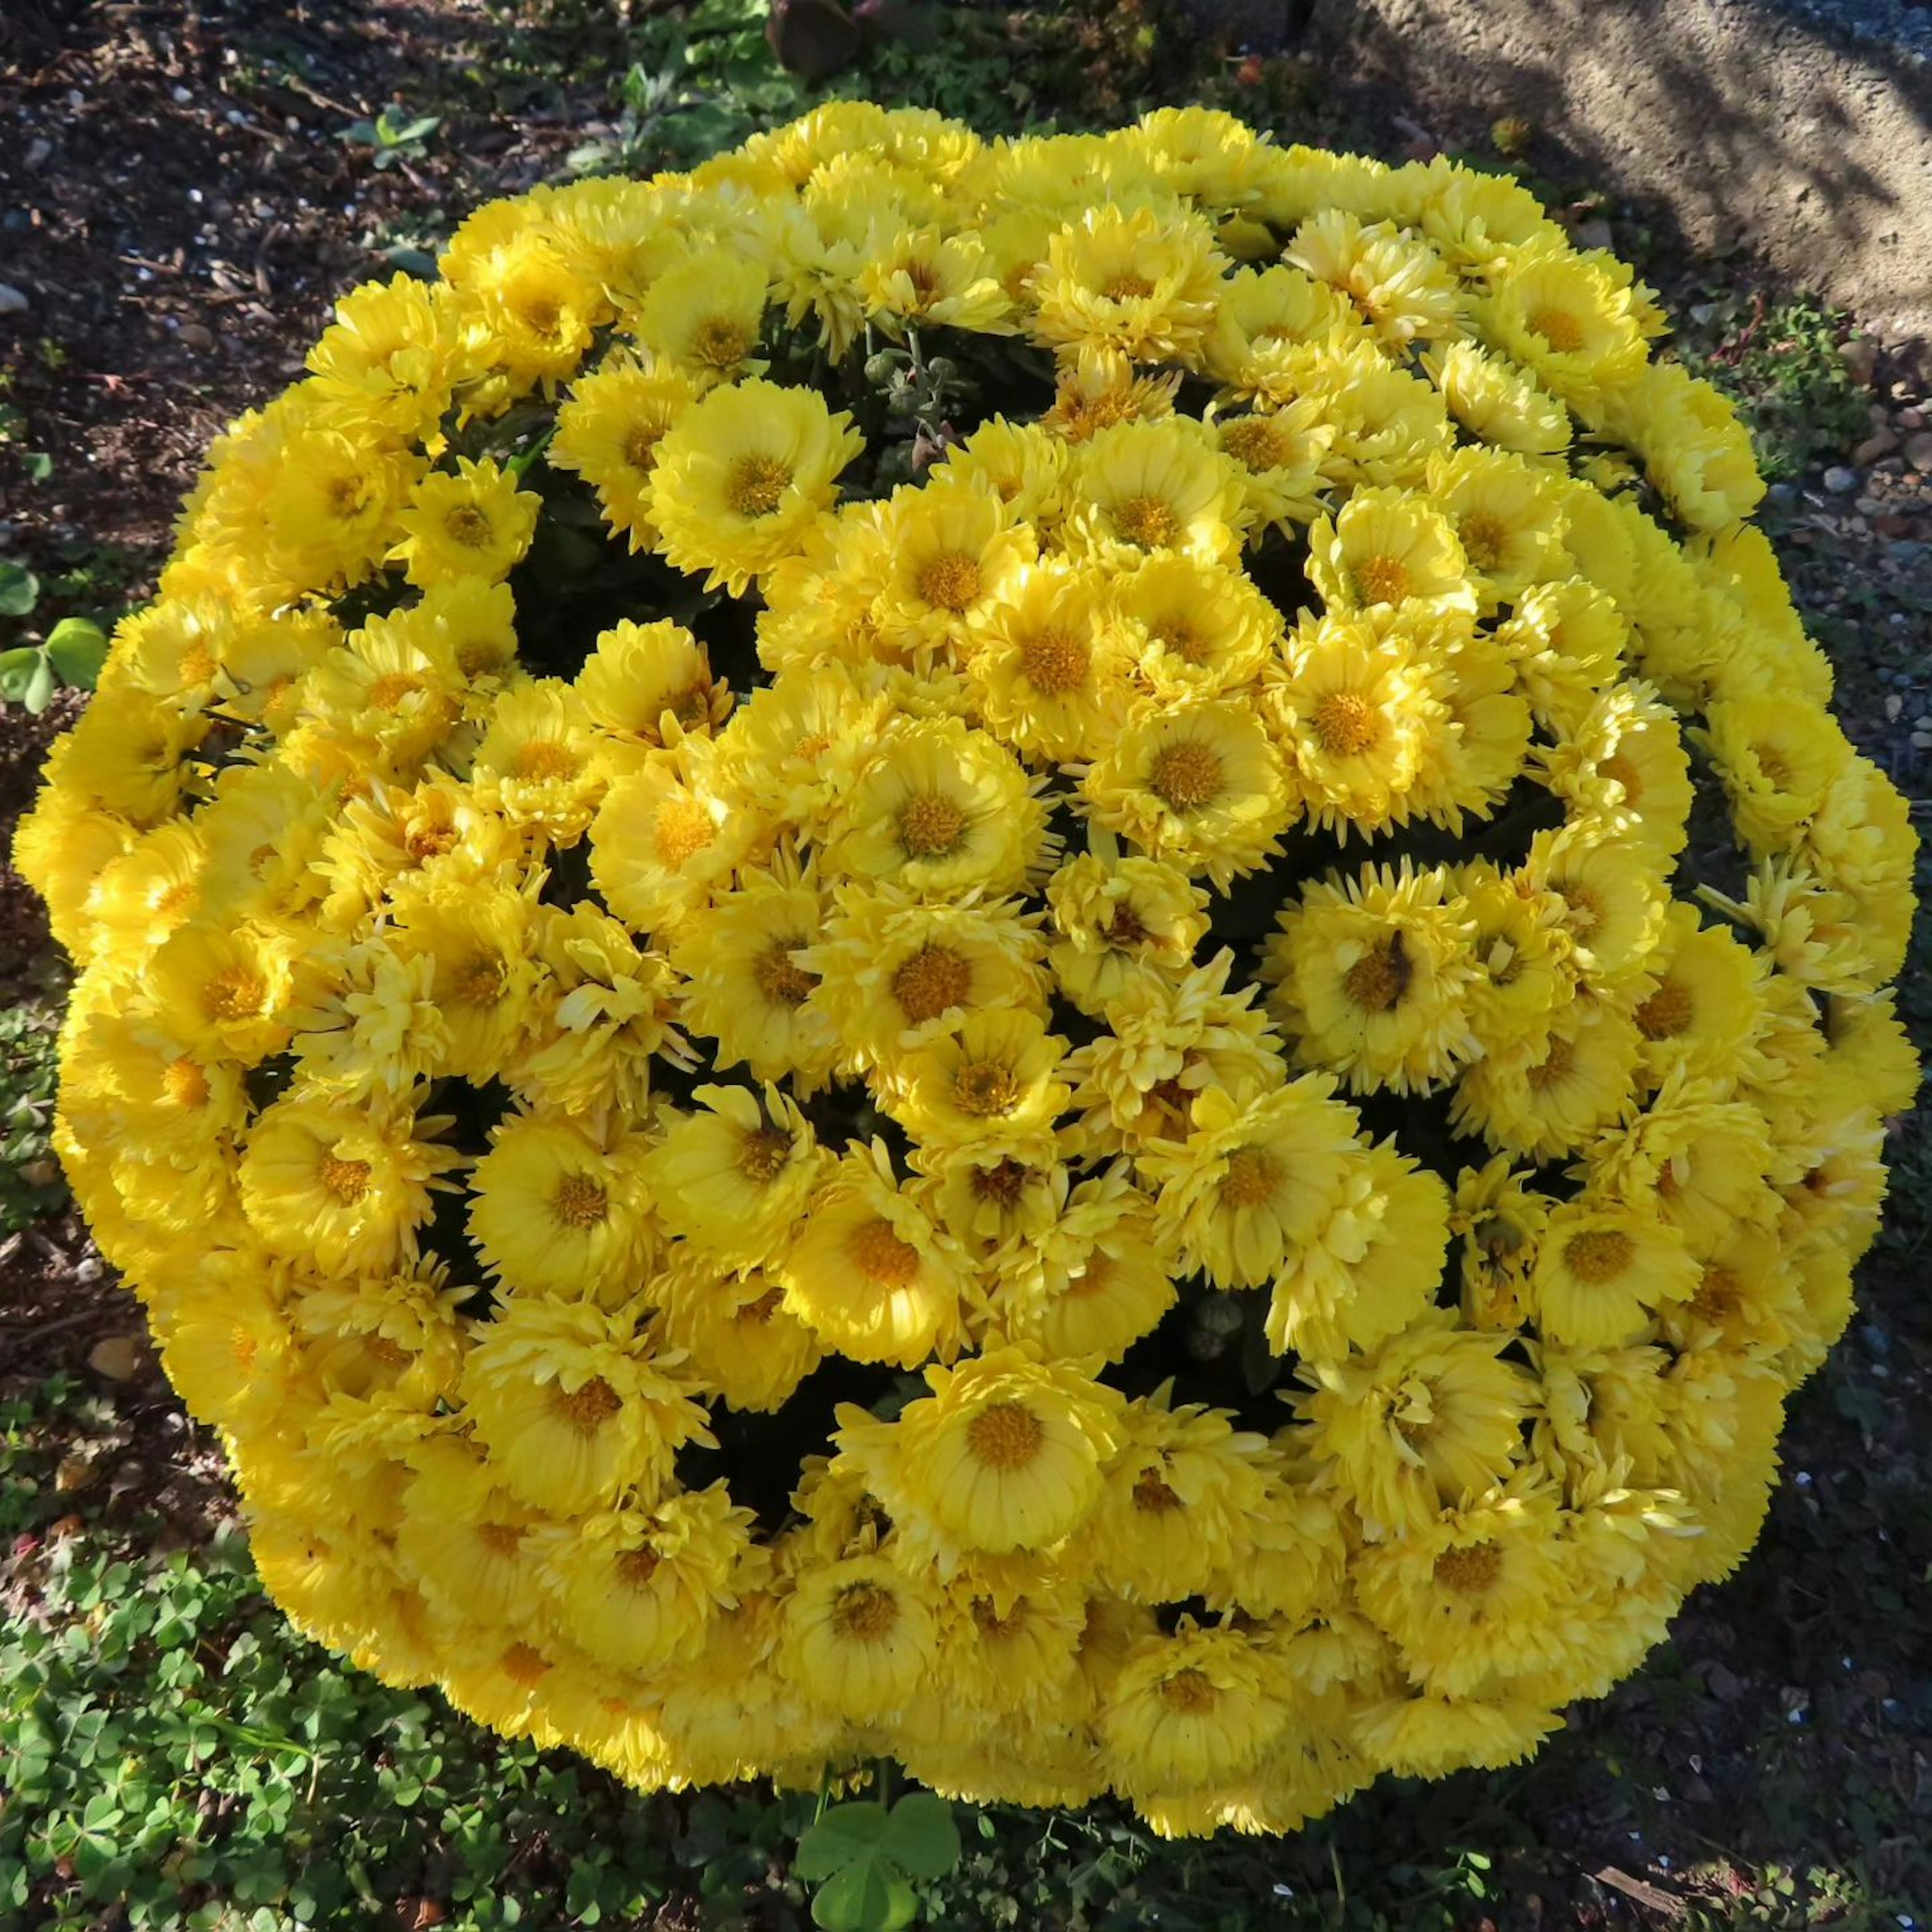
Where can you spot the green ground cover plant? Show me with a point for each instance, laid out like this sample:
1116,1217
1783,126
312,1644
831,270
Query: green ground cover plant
171,1755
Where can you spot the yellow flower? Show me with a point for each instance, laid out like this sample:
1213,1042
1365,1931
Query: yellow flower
1371,976
941,809
572,1406
1004,1454
1432,1419
1192,1709
638,675
1499,404
1602,1270
1141,281
1120,920
1281,452
1199,784
741,476
859,1639
1135,488
1548,1093
735,1333
703,316
554,1213
925,277
1362,718
1049,672
1391,554
610,432
668,836
1251,1184
1195,629
869,1273
482,944
1400,283
730,1181
1103,1283
1560,314
476,524
538,764
949,551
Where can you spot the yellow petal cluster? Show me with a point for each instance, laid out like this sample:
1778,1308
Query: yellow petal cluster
1051,1084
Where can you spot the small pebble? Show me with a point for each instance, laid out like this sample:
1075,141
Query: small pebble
1840,480
1918,450
38,155
180,96
13,302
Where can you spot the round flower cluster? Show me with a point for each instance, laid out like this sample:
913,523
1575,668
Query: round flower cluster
1050,955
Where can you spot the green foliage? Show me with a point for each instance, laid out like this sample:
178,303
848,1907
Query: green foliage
31,1181
1783,361
394,136
865,1859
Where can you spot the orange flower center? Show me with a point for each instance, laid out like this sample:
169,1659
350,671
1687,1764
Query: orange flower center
468,525
1598,1254
235,993
931,827
684,829
1382,579
1667,1013
1347,723
1128,287
588,1409
1189,1692
348,1180
933,979
184,1083
1147,521
762,1155
1252,1177
581,1201
880,1256
985,1088
1558,328
1470,1571
1053,662
781,979
544,758
1005,1435
1377,981
949,581
866,1610
757,485
719,344
1186,776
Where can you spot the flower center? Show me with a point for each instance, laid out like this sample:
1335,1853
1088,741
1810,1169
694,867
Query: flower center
1052,662
636,1568
588,1409
525,1666
1667,1013
1382,579
1125,930
641,446
1188,1692
781,979
500,1539
762,1155
1598,1254
348,1180
880,1256
932,980
1470,1571
1484,537
1002,1184
1005,1435
985,1088
1153,1496
1553,1065
1624,772
931,827
684,829
480,980
581,1201
757,485
429,841
544,758
1252,1176
1558,328
1186,776
1146,521
719,343
1347,723
468,525
1128,287
235,993
184,1083
864,1610
1254,443
1380,978
1717,1296
949,581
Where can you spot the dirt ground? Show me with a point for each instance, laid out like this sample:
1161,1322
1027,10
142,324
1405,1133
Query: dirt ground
178,210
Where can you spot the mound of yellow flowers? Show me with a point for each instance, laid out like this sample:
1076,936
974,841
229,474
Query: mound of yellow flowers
1050,955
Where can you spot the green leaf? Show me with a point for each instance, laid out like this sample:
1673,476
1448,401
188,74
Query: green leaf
17,668
77,648
40,691
847,1832
921,1837
19,590
864,1897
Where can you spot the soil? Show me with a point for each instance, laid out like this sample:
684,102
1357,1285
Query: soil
179,210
